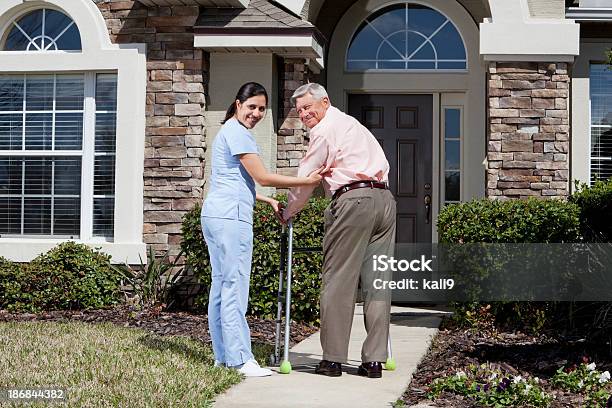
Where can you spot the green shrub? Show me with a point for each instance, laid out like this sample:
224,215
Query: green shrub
512,221
595,204
69,276
307,232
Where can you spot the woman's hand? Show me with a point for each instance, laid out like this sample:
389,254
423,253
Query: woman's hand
278,208
315,177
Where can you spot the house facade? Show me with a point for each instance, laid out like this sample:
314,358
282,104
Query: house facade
107,107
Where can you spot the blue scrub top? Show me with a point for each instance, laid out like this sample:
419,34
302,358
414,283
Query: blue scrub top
232,190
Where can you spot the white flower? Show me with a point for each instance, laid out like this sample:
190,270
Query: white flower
604,377
527,388
460,374
493,376
517,379
537,380
580,384
591,367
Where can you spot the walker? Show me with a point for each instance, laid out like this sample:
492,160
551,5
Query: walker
285,364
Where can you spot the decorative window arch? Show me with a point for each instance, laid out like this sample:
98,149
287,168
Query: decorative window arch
406,36
43,30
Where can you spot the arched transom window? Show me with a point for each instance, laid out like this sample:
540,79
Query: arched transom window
406,36
43,30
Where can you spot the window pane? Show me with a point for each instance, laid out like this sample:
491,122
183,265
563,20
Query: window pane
452,123
11,93
67,176
39,92
601,122
452,189
453,155
392,20
38,175
11,132
16,41
104,175
104,209
69,92
366,43
105,132
11,175
68,131
55,23
106,92
10,215
66,216
37,216
70,40
424,19
39,128
448,43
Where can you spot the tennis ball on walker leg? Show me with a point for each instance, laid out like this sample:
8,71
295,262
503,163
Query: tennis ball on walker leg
390,364
285,367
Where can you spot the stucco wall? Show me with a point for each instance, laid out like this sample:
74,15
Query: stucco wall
547,8
227,73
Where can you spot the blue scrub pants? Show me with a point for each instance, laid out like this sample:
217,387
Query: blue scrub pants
230,246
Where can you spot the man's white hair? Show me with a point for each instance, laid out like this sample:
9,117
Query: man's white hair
317,91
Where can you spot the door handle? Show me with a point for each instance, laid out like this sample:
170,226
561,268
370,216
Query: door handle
427,201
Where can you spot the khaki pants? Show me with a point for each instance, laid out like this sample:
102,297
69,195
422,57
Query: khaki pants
358,225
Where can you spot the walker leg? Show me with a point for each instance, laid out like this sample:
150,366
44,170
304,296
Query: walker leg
275,358
390,363
285,367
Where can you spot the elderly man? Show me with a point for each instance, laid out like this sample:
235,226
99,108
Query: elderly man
359,223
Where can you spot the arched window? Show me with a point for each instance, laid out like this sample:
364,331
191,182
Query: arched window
43,30
406,36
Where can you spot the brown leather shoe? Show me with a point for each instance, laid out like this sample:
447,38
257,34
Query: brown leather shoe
372,369
329,368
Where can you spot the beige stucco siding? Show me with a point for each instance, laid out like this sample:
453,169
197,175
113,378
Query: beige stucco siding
546,8
227,73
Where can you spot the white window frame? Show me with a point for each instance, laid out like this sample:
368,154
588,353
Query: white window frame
128,61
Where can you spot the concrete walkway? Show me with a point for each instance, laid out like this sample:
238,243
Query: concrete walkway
411,333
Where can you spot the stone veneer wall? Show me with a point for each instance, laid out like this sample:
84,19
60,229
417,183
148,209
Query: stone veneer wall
292,140
528,137
174,143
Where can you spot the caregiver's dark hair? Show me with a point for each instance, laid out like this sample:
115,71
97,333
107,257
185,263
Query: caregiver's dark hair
245,92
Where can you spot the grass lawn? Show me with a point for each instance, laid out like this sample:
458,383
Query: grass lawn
107,365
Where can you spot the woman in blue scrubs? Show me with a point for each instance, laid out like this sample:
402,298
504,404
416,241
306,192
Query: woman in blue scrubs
227,223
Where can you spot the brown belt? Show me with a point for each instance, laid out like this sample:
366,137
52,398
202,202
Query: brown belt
359,184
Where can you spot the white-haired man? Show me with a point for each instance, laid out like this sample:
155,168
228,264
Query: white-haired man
359,223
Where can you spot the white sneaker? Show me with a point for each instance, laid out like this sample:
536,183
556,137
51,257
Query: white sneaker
252,369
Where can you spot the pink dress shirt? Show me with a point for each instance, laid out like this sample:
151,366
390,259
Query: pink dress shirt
348,152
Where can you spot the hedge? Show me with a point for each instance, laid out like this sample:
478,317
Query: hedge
595,204
510,221
308,230
69,276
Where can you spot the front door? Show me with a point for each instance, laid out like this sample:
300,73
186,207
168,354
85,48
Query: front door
403,126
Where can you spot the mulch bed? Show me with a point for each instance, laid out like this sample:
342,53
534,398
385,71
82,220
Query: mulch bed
517,353
161,322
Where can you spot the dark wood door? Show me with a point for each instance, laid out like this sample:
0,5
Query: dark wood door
403,126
